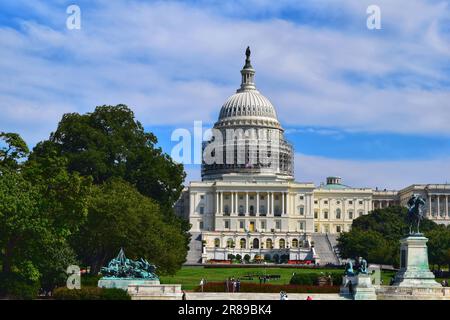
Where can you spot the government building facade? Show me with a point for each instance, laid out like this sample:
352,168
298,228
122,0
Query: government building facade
255,209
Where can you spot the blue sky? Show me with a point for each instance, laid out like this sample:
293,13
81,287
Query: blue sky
372,106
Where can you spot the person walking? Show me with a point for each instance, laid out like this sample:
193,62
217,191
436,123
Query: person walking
238,285
183,297
308,298
202,283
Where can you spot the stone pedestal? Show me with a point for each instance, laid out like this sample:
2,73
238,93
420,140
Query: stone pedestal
123,283
359,287
364,289
414,269
155,292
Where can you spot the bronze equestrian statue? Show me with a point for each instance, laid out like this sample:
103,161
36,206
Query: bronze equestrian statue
415,212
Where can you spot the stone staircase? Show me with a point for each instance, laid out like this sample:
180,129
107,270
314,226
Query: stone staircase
324,248
195,249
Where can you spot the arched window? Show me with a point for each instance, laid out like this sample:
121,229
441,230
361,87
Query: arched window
230,243
243,243
217,243
338,213
325,214
227,209
294,243
269,243
241,210
255,244
350,215
282,244
252,210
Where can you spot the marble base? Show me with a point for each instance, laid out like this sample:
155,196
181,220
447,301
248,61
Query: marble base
362,287
123,283
155,292
414,269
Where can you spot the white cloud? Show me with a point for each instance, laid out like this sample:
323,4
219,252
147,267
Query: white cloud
174,64
381,174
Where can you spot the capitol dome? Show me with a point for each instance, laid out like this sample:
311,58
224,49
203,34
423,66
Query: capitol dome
252,113
247,106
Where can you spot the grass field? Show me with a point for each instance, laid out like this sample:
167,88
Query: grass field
189,277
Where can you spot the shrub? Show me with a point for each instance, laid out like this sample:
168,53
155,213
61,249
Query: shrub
15,286
238,257
267,257
90,293
311,278
276,258
247,258
284,258
90,280
230,256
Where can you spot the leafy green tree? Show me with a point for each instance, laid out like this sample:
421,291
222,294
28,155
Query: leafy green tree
41,204
376,236
120,216
439,246
14,148
108,143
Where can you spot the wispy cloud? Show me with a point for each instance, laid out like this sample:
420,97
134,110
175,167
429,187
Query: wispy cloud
174,62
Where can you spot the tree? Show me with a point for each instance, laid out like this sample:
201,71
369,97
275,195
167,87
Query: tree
439,246
13,150
376,236
41,204
108,143
119,216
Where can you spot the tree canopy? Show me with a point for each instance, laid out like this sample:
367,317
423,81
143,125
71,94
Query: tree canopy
108,143
119,216
376,236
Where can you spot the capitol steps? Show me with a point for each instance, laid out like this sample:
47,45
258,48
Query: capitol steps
323,245
195,249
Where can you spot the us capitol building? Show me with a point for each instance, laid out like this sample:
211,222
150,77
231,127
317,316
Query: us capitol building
257,210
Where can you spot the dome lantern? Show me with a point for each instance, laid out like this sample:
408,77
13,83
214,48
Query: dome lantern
248,74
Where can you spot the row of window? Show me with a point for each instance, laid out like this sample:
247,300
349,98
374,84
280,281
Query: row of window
255,244
350,202
262,224
327,229
337,214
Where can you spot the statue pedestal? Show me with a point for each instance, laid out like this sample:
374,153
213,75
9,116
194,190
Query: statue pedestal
123,283
364,289
414,269
155,292
359,287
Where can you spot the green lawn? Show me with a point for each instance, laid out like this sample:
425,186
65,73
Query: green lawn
189,277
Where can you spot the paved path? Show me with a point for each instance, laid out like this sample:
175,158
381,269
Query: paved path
260,296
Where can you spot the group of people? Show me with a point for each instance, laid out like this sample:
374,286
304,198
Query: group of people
284,296
232,285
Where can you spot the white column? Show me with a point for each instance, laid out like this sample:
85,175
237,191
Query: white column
221,202
446,206
429,205
282,203
246,203
438,207
257,203
271,202
287,203
191,203
232,203
268,203
217,202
